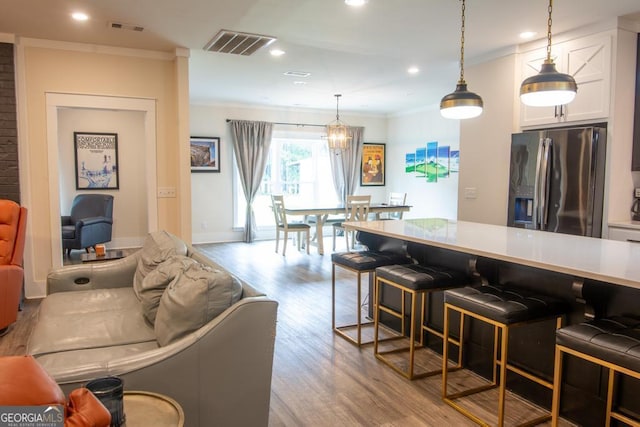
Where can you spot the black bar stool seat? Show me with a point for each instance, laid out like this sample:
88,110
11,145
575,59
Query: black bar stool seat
414,280
503,307
506,304
360,263
613,343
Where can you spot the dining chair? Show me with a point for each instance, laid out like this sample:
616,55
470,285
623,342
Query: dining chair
395,199
356,209
282,224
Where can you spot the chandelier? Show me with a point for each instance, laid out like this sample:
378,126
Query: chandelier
338,131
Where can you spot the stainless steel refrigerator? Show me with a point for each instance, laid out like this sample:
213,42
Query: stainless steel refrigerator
557,180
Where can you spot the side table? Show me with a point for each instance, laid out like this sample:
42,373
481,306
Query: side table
144,408
108,256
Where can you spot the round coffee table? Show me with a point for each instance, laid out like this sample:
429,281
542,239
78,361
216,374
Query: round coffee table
144,408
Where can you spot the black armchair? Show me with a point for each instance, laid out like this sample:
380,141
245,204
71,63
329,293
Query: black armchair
89,223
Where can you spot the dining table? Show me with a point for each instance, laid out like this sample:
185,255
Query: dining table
319,215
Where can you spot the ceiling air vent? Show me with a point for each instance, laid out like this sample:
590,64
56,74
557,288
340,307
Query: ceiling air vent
237,43
123,26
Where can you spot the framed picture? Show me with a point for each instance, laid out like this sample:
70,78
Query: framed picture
205,154
373,165
96,161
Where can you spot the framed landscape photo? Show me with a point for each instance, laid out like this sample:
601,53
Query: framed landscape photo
373,165
205,154
96,159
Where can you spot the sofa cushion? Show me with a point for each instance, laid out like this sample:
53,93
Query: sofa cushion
158,247
64,326
156,281
193,299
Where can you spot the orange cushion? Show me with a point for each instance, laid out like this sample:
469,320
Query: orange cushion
9,217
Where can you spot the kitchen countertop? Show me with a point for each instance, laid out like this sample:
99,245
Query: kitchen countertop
633,225
605,260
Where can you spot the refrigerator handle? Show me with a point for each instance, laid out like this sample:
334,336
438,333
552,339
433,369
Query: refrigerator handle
544,184
536,185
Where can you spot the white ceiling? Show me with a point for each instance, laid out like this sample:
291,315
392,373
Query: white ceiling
361,53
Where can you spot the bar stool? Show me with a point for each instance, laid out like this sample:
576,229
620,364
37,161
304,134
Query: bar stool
613,343
503,307
359,263
416,281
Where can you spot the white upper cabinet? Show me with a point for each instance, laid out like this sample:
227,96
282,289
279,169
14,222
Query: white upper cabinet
588,60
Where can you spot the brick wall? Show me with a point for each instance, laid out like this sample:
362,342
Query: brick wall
9,178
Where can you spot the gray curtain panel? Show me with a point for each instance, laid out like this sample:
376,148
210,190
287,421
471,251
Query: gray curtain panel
345,165
251,142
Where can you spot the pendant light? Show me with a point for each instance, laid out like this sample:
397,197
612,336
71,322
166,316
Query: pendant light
549,87
461,104
338,131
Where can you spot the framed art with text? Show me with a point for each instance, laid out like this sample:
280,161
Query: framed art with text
205,154
96,159
373,165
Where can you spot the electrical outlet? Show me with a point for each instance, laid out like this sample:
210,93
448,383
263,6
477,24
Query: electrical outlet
470,193
166,192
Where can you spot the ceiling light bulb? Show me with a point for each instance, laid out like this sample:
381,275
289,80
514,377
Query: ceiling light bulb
80,16
413,70
355,2
527,34
277,52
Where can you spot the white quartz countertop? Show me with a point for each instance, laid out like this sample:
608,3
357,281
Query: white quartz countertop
587,257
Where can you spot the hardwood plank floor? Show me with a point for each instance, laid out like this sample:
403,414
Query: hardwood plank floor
320,379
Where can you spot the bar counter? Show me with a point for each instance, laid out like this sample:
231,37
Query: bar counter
604,260
596,277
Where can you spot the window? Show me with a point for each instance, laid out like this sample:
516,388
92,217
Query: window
298,167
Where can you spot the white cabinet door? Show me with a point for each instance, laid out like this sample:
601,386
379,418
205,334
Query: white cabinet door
624,234
588,60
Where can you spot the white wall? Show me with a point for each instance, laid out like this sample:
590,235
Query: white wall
485,143
408,132
130,200
212,193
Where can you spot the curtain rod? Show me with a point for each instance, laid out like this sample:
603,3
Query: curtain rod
293,124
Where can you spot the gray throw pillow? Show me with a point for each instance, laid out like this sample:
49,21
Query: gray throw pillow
158,247
154,283
192,299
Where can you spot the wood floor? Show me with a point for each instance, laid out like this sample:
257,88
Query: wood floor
320,379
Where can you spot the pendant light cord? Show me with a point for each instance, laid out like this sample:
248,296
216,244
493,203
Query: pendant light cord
549,21
337,113
462,45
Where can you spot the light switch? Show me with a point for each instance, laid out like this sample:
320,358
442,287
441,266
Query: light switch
165,192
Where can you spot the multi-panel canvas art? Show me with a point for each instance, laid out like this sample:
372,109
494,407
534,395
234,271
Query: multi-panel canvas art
433,162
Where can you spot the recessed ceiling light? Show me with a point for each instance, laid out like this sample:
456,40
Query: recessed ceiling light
299,83
527,34
277,52
80,16
301,74
355,2
413,70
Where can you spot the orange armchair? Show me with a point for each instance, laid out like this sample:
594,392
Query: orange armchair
13,224
23,382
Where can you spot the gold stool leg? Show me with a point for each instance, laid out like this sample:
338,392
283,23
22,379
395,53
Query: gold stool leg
557,387
503,374
610,389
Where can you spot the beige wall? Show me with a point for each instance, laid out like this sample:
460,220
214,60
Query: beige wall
81,69
485,143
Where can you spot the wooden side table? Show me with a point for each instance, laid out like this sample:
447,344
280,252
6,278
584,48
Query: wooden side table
144,408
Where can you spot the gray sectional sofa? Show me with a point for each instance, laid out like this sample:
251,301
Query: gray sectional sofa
165,319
